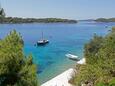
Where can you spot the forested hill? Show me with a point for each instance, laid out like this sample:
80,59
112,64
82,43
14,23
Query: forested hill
4,19
105,20
34,20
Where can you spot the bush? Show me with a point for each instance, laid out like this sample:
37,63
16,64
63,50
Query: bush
100,62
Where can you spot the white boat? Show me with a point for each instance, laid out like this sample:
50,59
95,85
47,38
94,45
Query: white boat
73,57
42,41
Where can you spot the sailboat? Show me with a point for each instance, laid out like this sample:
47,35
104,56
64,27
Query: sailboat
42,41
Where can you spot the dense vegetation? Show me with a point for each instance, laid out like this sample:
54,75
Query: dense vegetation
99,69
105,20
15,68
2,15
33,20
4,19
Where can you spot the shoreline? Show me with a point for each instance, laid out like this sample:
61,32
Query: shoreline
63,78
15,20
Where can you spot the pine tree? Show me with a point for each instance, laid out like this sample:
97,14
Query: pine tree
15,68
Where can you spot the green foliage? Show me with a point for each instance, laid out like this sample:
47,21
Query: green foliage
112,82
15,68
100,62
2,13
4,19
32,20
105,20
92,48
101,84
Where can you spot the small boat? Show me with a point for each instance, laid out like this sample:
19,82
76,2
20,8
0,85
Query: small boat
42,41
73,57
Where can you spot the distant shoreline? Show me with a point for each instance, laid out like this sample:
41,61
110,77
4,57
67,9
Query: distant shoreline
105,20
16,20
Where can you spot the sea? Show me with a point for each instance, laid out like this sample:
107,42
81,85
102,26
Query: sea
64,38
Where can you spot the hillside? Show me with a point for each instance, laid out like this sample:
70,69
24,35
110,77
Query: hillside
105,20
99,69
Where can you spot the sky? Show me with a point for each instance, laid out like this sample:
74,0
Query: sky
71,9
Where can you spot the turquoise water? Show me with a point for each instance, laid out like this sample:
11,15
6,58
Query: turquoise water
64,38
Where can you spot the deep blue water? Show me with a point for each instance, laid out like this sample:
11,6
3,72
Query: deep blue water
64,38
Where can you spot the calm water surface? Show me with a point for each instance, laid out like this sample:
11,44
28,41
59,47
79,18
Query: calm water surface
64,38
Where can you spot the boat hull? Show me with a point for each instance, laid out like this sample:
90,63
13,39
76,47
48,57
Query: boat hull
42,43
72,57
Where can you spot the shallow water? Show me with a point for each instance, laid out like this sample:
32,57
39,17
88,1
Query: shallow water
64,38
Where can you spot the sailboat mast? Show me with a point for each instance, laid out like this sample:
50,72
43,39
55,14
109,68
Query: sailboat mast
42,35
